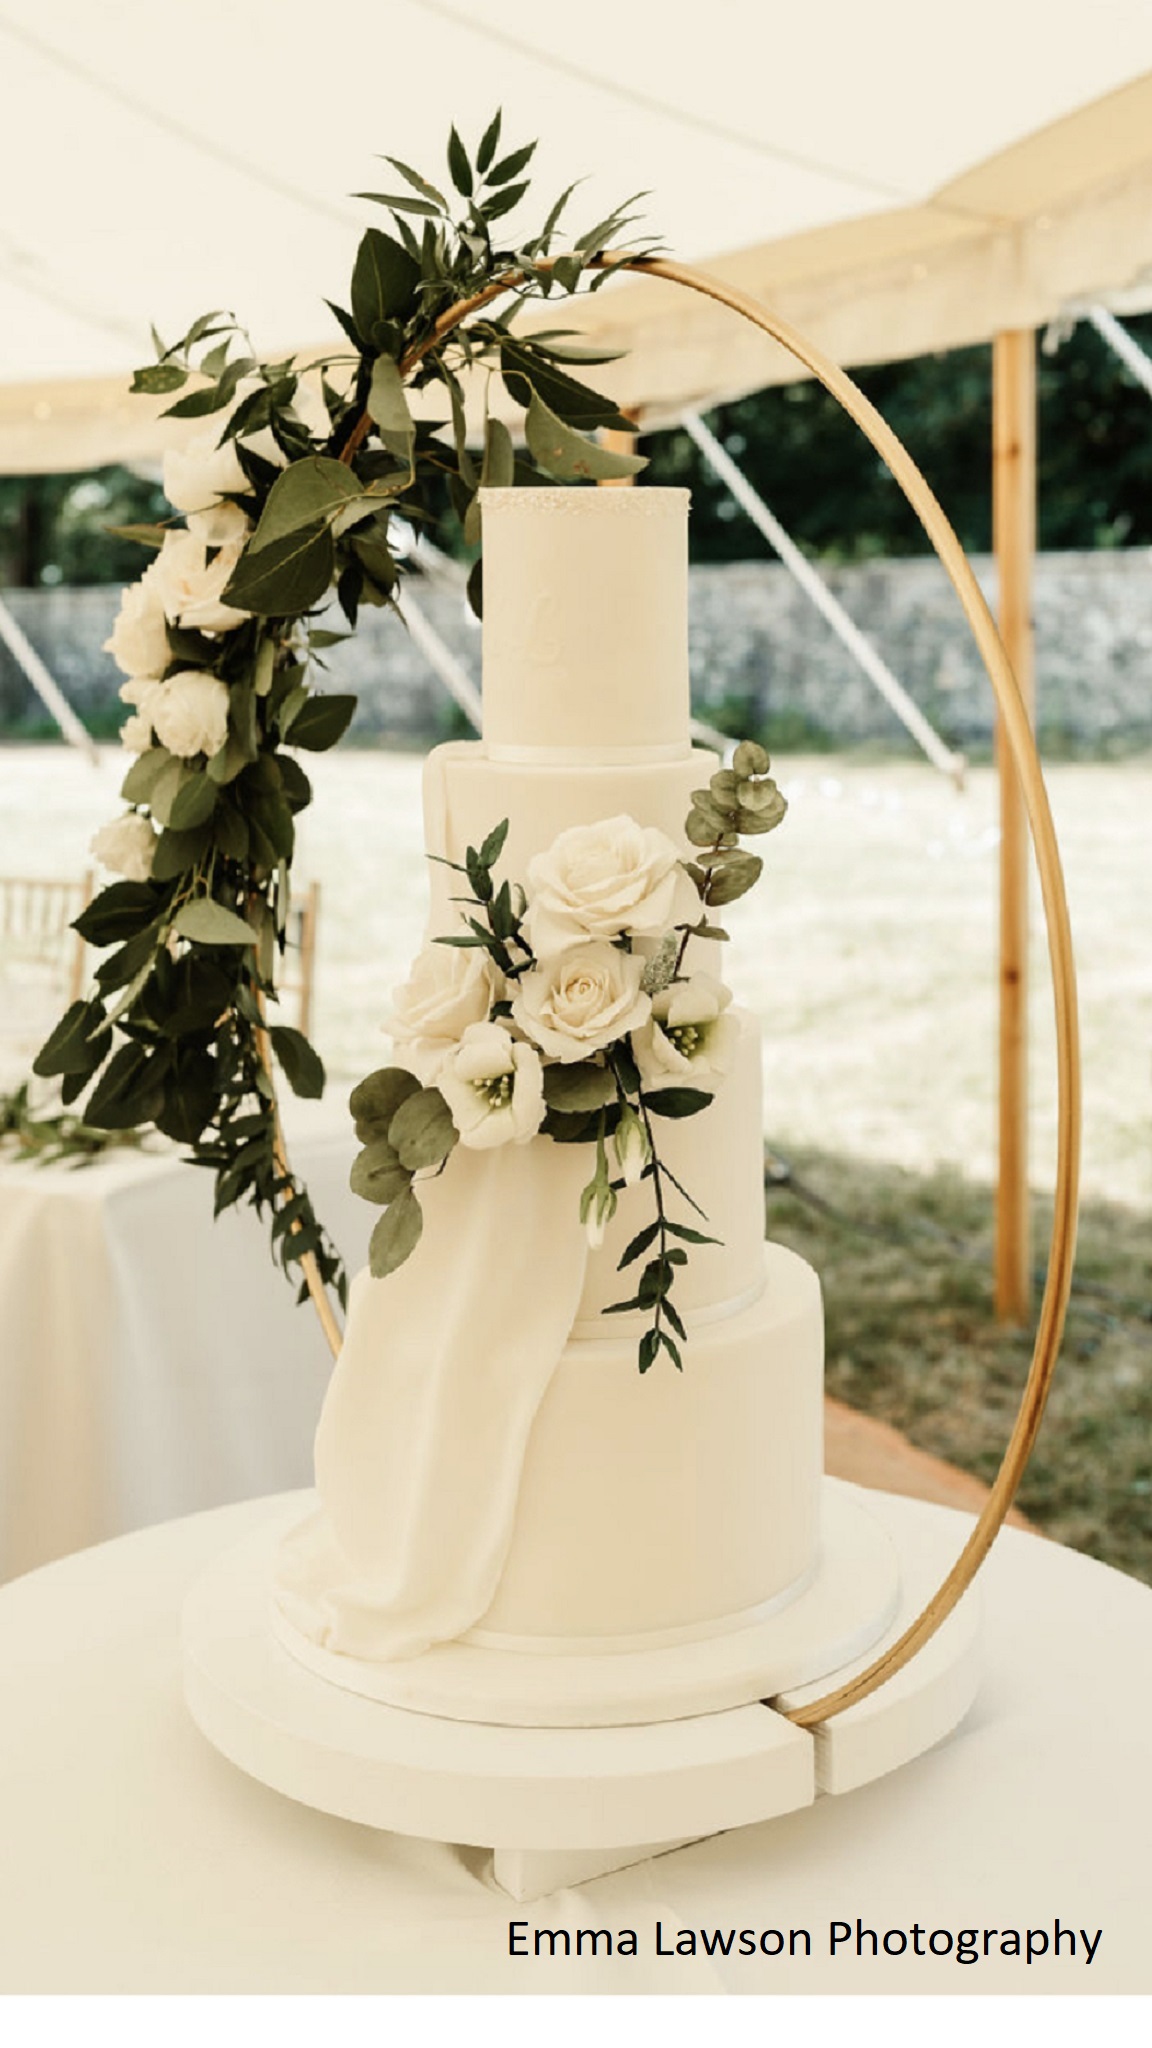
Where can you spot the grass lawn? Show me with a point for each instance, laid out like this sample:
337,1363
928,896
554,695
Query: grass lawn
906,1262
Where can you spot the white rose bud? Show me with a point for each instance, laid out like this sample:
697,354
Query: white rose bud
125,847
597,1208
597,881
494,1088
691,1036
189,586
449,988
582,1000
138,642
199,474
189,713
630,1141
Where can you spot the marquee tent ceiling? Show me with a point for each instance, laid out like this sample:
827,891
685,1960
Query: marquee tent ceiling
890,178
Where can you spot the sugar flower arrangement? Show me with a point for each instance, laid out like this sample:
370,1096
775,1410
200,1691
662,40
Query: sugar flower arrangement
566,1009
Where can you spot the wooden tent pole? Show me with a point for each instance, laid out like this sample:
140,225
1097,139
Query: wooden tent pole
1014,539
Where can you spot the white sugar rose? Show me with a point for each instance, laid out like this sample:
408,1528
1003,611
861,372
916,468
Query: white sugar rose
200,473
189,585
449,989
189,713
596,881
136,731
691,1036
582,999
138,642
494,1087
125,847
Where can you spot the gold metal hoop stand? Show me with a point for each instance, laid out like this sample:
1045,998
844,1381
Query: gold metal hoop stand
1026,763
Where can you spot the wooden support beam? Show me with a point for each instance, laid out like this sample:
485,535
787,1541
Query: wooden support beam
1014,539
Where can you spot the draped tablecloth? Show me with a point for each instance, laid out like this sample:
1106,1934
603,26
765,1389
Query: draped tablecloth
152,1361
136,1859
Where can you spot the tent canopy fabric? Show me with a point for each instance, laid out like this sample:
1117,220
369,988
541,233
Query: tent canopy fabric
888,179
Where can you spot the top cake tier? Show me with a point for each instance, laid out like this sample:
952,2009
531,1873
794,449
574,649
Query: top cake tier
585,624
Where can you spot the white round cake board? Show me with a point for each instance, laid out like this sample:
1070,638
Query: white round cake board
846,1605
556,1803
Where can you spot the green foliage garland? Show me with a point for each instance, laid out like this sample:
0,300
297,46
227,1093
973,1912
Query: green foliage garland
174,1034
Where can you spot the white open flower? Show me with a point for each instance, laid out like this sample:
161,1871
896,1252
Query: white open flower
449,988
597,881
189,713
691,1035
125,847
200,473
138,642
136,731
583,999
189,585
494,1087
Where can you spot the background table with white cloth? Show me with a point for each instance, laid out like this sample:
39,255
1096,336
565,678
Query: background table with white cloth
153,1361
136,1859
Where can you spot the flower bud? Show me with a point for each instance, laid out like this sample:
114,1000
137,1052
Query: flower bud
632,1148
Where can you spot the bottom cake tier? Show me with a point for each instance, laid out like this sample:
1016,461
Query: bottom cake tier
671,1506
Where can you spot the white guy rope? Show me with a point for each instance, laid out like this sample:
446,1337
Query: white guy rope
1118,338
451,672
816,589
49,692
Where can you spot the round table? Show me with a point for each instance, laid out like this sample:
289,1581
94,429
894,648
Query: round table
137,1860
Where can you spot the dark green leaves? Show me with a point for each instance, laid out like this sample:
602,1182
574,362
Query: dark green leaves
459,168
385,280
131,1089
389,408
119,912
211,924
321,722
374,1101
377,1175
306,493
569,456
300,1061
287,577
677,1102
158,378
77,1045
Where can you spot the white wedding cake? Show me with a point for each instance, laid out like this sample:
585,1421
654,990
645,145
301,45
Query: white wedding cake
492,1468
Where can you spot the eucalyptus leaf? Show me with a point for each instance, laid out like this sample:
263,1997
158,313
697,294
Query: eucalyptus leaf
578,1087
193,803
171,779
119,912
750,759
459,167
396,1235
388,407
286,577
210,924
67,1049
144,774
304,494
375,1100
377,1175
158,378
569,456
489,142
300,1060
422,1129
738,873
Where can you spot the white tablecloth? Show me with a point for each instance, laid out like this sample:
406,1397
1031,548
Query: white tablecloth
153,1362
136,1859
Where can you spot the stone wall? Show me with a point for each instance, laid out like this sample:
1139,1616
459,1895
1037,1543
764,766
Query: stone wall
757,648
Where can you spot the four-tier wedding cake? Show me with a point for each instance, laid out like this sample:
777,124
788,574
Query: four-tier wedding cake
491,1466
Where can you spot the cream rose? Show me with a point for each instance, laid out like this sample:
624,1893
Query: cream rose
596,881
494,1087
189,585
138,642
690,1036
222,526
189,713
200,473
136,732
449,989
125,847
579,1001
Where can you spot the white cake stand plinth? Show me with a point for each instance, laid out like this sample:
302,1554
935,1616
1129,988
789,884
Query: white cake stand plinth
559,1804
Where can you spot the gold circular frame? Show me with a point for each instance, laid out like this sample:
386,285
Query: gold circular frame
1026,763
